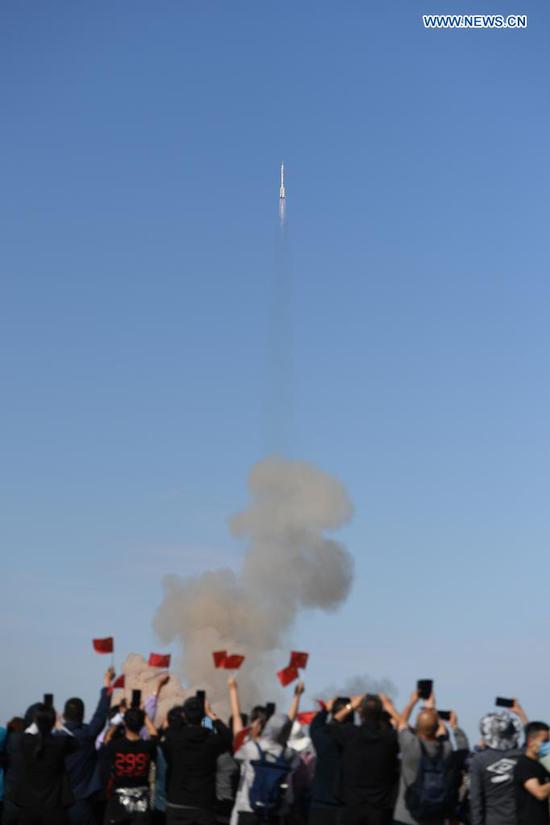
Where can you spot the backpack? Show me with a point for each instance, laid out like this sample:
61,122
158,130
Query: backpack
429,795
269,784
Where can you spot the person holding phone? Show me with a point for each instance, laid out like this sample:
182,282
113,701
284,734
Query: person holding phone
82,766
426,748
369,769
191,752
492,792
130,758
41,790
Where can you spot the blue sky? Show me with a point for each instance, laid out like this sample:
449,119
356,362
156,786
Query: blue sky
140,147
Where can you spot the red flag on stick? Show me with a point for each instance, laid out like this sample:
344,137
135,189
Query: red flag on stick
287,675
233,662
306,717
159,660
298,659
106,645
219,657
322,705
119,682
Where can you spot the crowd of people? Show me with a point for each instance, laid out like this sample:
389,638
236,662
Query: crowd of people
357,761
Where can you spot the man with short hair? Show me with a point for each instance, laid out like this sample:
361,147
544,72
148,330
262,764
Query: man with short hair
369,762
326,804
191,753
531,779
428,742
82,765
492,790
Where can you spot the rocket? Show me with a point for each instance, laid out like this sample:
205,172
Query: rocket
282,193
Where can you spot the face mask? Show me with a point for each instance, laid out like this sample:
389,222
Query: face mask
544,750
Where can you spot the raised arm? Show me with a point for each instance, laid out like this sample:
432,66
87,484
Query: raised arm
390,709
520,713
98,720
351,707
407,710
295,704
234,704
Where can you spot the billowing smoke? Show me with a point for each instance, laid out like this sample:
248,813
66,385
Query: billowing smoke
359,685
289,564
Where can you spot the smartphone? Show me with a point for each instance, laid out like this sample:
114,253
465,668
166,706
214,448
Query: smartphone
136,699
201,696
424,688
445,715
270,709
500,702
48,700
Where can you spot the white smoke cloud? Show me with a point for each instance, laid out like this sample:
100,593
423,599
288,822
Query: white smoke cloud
289,565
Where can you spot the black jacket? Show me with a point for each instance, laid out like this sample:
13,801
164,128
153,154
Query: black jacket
82,765
41,780
324,791
369,767
191,755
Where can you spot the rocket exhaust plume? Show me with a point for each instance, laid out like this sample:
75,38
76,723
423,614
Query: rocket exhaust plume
289,565
282,196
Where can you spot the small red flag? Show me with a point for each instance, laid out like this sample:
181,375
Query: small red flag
240,738
298,659
322,705
219,657
307,717
233,662
287,675
119,682
159,660
106,645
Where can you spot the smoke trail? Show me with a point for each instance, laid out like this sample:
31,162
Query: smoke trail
359,685
289,565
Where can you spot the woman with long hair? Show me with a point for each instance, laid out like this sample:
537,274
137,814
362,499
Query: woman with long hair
42,790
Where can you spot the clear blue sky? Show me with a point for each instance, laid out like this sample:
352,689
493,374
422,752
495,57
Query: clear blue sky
140,146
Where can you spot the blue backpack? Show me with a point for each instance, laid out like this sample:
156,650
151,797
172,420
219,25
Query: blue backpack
269,785
429,796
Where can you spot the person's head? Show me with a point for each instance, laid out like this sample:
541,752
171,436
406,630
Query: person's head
74,711
427,723
16,725
371,709
535,734
258,719
28,719
175,718
193,711
500,731
244,721
44,718
337,706
134,720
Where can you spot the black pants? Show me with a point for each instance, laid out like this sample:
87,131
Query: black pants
41,816
367,815
248,818
325,815
82,813
189,816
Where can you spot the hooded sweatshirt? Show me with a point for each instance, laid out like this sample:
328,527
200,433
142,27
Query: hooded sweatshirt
191,754
270,743
369,768
492,792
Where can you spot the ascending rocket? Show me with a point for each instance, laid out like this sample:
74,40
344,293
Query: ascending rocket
282,196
